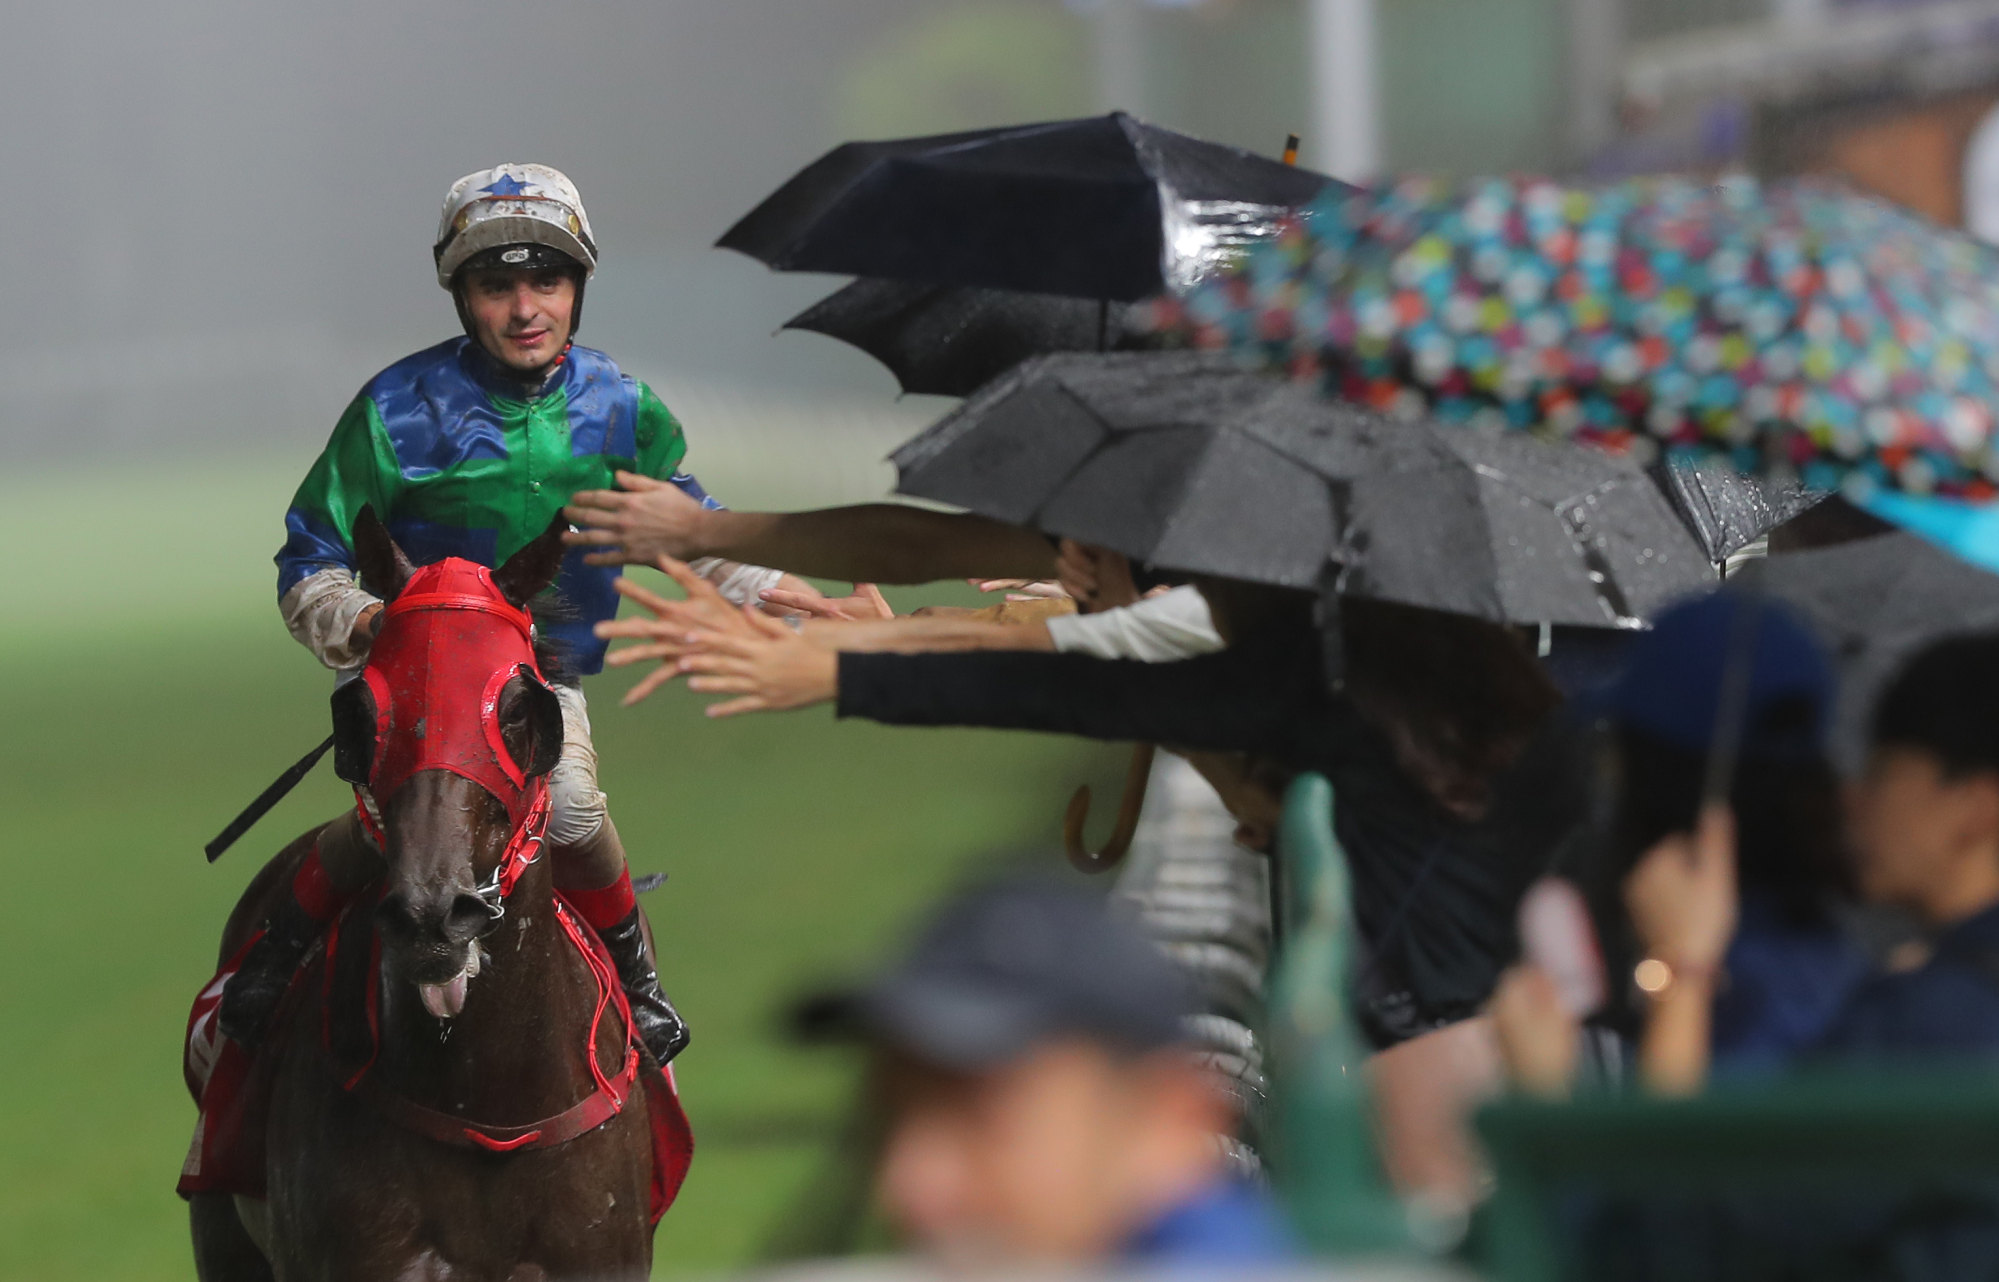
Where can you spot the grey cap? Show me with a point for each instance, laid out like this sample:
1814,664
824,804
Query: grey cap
1007,967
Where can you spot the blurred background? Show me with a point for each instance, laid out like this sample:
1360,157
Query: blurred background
222,212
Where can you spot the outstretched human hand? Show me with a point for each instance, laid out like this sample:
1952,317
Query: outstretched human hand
866,604
639,521
766,665
1098,578
1022,589
665,634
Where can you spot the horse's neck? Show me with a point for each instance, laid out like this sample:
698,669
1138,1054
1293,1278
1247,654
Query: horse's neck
516,1051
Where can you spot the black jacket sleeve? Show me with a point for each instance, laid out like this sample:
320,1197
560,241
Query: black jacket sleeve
1265,698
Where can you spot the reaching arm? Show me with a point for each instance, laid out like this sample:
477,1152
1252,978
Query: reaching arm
1264,695
1251,698
873,542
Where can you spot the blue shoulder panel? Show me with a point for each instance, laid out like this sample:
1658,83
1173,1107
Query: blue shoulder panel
603,406
436,412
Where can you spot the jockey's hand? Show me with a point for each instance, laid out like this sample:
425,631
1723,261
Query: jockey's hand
867,603
704,608
634,524
366,625
768,667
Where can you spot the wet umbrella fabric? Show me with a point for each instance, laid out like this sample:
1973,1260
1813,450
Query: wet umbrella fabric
1726,510
1875,602
1101,208
944,340
1796,328
1190,463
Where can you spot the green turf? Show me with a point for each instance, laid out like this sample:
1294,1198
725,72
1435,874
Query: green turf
152,692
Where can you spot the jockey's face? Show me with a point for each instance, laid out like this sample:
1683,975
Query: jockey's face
521,316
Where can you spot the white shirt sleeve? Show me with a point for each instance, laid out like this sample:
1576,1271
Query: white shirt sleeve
320,611
1176,624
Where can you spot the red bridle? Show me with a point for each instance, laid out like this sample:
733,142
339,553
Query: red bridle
449,644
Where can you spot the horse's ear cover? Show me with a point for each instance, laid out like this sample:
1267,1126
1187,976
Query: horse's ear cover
544,719
354,731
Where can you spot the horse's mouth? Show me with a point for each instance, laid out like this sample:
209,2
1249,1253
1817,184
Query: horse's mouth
446,1000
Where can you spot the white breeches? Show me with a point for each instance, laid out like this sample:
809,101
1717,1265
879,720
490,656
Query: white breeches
576,804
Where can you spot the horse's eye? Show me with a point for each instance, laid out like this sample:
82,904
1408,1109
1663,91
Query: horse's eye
530,724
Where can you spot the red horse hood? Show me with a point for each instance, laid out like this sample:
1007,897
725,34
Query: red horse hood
449,644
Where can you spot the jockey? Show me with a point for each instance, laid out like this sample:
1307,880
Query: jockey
470,449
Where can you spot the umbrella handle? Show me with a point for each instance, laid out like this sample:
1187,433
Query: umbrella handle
1136,775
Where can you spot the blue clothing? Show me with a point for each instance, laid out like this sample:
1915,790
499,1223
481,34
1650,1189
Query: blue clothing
1229,1222
458,457
1787,985
1946,1008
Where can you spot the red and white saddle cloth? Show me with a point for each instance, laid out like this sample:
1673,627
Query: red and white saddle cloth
232,1088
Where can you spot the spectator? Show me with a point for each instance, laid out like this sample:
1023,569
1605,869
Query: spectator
1040,1107
1791,964
1925,823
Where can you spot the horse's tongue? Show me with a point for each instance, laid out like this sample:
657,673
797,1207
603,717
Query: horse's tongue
444,1000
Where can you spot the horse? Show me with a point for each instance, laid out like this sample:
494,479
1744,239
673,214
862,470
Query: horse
455,1089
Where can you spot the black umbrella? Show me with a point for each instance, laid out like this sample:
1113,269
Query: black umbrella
1726,509
1189,463
1101,208
1876,602
948,340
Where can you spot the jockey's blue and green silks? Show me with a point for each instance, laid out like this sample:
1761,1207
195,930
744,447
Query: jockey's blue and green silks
458,461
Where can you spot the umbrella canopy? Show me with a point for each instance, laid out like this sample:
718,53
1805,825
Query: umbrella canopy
1875,602
1101,208
1797,328
1726,510
1190,463
945,340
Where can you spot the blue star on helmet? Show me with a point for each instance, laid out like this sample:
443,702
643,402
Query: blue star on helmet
505,185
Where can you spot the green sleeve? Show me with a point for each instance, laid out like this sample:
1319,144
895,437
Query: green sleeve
661,443
357,469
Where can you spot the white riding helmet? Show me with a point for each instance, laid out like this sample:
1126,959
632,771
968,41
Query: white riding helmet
512,205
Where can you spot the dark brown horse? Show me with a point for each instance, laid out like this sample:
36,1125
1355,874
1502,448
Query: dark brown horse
484,1011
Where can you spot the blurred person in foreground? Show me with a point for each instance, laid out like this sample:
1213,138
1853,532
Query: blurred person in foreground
1039,1105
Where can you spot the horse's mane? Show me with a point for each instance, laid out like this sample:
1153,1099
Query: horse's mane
554,659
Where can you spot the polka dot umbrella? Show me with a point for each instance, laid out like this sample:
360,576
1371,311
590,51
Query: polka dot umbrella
1799,329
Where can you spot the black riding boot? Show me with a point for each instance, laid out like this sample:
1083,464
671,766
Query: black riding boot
252,995
660,1026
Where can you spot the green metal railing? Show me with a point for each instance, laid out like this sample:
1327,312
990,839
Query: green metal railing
1323,1151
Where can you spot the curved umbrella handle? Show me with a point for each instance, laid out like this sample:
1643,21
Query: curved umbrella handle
1136,776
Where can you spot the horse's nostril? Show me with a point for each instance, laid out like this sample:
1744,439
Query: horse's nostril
398,916
470,918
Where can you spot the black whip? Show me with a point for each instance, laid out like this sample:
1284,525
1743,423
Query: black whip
269,797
